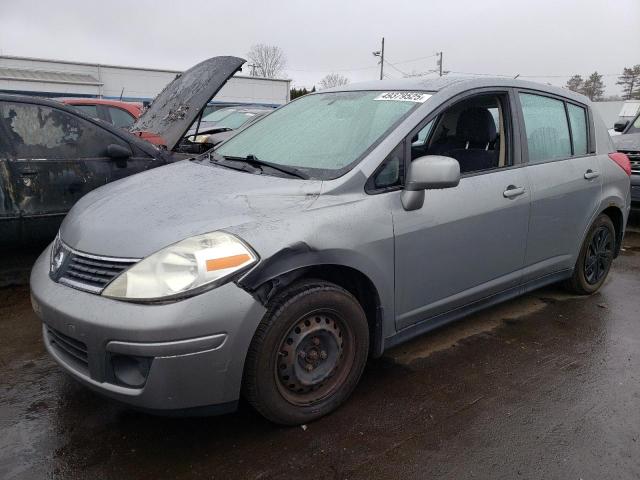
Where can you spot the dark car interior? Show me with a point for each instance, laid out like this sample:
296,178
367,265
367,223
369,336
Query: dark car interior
471,131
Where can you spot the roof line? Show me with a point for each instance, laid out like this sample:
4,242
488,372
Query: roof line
124,67
49,80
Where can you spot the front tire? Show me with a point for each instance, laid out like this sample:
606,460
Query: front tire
307,354
595,258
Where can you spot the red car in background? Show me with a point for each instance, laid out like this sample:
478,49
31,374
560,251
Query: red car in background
118,113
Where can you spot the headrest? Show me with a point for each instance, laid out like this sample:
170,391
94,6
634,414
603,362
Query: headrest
476,125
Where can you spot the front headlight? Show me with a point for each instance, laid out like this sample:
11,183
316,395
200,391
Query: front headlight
184,268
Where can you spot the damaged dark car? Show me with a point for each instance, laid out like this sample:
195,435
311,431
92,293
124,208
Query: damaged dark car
51,154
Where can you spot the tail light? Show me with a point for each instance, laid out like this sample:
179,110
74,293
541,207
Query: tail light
622,160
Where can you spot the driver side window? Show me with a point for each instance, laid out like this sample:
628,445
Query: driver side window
473,131
43,132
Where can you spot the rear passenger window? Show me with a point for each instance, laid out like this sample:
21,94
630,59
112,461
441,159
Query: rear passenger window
545,122
578,119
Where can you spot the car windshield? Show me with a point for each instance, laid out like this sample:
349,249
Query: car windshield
218,115
635,126
323,134
235,120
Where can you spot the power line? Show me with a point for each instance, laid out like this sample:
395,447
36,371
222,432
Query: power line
331,69
396,68
528,76
302,68
416,59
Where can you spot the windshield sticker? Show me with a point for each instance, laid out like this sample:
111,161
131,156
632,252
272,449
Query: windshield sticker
416,97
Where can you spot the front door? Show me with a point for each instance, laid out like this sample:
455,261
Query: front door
468,242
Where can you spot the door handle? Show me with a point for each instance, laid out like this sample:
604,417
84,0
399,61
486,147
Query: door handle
512,191
589,174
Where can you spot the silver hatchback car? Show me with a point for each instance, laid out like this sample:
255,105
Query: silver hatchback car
334,228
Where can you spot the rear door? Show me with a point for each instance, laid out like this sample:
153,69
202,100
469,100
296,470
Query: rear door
565,180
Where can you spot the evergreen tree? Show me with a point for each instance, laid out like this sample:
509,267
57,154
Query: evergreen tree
593,87
575,83
630,81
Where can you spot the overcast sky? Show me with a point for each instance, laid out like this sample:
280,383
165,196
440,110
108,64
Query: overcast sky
544,40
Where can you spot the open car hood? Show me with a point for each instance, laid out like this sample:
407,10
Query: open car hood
176,107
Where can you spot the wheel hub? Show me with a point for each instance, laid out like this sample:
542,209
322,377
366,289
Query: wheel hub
599,255
310,354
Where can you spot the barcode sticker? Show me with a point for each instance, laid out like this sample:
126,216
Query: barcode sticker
416,97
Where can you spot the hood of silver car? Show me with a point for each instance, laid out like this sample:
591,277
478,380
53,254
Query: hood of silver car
141,214
627,142
176,107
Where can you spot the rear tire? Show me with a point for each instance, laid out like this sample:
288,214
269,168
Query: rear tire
307,354
595,258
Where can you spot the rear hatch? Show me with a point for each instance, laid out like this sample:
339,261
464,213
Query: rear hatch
175,109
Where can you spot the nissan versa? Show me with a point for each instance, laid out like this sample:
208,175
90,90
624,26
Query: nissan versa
340,225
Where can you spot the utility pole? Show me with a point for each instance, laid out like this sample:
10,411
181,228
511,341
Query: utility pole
440,62
253,69
380,53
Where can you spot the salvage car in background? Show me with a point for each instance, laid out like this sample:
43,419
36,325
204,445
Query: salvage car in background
342,224
628,142
118,113
228,121
52,154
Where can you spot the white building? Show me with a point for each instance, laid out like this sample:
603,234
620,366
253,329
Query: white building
60,78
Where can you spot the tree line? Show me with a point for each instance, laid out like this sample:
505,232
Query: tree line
593,86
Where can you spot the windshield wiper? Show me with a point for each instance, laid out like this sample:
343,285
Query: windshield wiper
218,159
255,161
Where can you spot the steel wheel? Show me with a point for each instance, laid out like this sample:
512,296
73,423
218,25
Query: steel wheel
307,354
314,357
599,255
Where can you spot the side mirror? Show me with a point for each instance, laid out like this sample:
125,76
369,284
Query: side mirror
620,126
429,173
118,152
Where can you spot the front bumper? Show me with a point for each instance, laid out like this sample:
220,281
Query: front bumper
193,350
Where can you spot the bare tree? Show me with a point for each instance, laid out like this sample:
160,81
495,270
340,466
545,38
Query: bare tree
333,80
268,61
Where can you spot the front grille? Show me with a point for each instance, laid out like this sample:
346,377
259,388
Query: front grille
73,350
634,158
87,272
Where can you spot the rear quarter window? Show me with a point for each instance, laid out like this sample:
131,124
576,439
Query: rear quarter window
578,120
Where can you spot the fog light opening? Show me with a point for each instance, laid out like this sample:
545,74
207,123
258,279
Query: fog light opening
131,371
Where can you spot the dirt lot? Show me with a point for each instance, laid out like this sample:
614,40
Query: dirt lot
545,386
